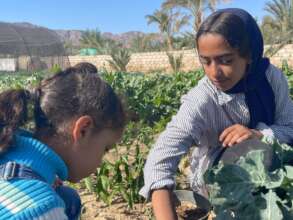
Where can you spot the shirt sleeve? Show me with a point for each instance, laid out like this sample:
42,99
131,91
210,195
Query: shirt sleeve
41,212
282,129
180,134
56,214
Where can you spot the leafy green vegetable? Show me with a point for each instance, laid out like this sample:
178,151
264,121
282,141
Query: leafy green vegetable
247,190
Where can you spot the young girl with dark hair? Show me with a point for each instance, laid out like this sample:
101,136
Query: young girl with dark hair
77,115
241,97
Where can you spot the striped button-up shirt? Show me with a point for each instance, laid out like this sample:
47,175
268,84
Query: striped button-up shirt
203,115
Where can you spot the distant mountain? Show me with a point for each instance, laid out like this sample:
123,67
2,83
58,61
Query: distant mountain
73,36
125,39
25,24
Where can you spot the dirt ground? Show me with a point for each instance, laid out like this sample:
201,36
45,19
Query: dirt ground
93,209
97,210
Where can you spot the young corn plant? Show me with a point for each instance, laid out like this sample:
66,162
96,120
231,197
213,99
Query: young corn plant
121,179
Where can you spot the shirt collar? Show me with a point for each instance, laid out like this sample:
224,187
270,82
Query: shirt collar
38,156
223,98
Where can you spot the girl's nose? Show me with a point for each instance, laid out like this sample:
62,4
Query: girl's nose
215,71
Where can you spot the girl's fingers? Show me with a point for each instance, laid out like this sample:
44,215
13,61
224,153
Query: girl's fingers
230,137
226,132
235,138
234,135
243,138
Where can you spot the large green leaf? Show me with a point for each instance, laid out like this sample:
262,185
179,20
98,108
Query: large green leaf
253,163
244,190
289,172
229,185
271,211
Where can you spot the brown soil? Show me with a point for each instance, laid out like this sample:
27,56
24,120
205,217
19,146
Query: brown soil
189,211
95,210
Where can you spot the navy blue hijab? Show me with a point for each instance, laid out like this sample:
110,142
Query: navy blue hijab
259,95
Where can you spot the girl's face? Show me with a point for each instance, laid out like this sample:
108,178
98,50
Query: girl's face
222,64
85,154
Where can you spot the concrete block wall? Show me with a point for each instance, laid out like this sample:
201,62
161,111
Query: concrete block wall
158,61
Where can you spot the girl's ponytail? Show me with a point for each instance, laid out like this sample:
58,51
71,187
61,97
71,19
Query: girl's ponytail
13,114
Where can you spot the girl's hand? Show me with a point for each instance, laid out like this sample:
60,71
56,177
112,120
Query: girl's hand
238,133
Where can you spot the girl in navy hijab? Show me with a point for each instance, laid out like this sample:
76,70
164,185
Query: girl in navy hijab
242,97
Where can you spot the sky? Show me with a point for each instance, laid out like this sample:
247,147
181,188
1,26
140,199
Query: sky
116,16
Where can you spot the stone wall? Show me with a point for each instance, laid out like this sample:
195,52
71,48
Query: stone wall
144,62
139,62
158,61
286,53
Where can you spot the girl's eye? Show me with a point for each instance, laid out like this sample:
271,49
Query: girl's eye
225,61
204,60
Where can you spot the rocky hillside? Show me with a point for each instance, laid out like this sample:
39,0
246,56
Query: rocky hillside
73,36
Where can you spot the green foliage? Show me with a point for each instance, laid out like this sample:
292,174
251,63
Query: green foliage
121,179
246,190
20,80
120,59
289,73
164,20
196,8
277,27
89,184
55,69
153,97
281,14
169,23
95,39
147,42
185,41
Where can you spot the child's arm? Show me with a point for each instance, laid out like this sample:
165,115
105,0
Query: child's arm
184,130
162,205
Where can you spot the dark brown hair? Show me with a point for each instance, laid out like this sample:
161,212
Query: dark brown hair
66,95
86,67
231,27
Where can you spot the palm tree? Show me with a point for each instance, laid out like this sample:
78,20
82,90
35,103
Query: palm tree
269,29
169,23
195,7
92,39
95,39
163,19
282,13
277,27
120,59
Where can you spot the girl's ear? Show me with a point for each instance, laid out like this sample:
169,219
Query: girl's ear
82,127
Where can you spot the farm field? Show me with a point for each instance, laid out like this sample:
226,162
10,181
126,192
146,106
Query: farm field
151,100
